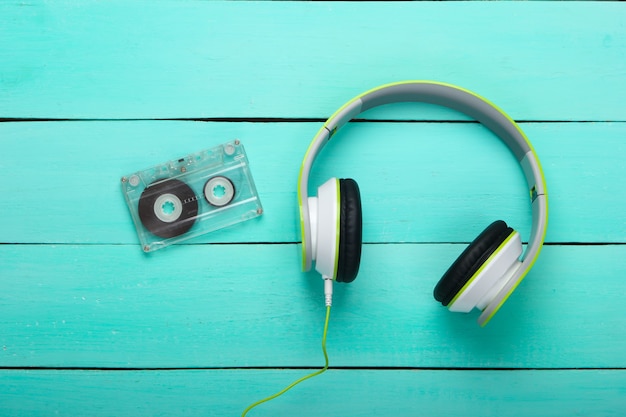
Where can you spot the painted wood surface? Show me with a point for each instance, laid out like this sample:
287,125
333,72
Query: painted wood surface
124,59
418,184
89,325
394,392
110,306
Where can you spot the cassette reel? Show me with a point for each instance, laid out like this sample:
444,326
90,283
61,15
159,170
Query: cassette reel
191,196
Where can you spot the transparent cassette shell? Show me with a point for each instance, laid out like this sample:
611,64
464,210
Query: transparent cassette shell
191,196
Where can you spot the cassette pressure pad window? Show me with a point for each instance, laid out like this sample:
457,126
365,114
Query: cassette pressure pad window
191,196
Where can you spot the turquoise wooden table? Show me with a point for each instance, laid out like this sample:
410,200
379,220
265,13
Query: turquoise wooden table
90,325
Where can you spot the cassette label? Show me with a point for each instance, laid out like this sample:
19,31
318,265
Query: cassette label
191,196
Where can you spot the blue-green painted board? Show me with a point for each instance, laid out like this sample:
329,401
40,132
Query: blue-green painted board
417,182
540,61
334,394
76,291
248,305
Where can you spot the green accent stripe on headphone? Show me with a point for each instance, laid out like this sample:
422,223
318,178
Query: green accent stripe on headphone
338,231
482,267
524,273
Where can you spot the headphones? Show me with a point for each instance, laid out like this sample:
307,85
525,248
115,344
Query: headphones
487,271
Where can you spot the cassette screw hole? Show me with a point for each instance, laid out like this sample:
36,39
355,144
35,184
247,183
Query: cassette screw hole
219,191
168,207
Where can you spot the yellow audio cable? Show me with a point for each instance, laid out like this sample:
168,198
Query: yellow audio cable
293,384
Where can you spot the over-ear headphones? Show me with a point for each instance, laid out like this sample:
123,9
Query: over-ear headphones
487,271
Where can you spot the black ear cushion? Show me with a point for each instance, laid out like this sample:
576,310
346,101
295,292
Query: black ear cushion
350,231
470,261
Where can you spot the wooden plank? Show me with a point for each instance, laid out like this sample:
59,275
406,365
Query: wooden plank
248,305
213,59
228,392
61,179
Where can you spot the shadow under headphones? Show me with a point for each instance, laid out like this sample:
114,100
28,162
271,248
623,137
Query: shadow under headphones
487,271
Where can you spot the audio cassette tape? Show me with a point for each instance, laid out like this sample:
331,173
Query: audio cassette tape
191,196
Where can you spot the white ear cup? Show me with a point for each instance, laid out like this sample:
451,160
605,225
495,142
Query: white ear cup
324,219
312,203
491,277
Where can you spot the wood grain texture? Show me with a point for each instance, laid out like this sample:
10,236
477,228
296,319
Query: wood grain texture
417,183
233,305
89,325
401,393
209,59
